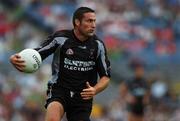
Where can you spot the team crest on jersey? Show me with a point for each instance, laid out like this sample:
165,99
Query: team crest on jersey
91,56
69,51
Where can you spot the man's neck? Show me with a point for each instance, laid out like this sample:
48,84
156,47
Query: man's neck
79,35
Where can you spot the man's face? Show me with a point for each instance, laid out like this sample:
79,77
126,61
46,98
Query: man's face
139,71
87,25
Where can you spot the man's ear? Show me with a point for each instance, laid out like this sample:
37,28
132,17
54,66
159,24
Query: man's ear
77,22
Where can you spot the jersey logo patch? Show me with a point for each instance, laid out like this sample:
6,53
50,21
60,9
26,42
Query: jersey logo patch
91,56
69,51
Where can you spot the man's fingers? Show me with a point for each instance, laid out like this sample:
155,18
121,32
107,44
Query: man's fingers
19,68
17,56
88,85
19,61
86,98
86,93
87,90
20,64
16,59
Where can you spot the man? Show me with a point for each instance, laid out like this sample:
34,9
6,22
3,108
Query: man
136,94
79,57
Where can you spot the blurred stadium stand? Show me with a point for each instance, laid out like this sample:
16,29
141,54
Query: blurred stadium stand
145,31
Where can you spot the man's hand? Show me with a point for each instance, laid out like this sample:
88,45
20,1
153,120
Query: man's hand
89,92
17,62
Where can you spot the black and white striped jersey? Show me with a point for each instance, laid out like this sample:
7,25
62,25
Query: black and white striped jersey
75,62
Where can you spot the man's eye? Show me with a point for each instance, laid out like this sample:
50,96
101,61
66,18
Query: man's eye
91,21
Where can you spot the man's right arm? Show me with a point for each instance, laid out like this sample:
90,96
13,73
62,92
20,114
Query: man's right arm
45,49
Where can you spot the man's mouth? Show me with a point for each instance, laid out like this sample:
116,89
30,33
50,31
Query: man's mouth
92,30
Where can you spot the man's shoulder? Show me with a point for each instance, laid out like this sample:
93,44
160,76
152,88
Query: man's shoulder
63,33
97,39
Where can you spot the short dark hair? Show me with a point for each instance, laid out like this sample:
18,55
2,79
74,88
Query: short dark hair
78,14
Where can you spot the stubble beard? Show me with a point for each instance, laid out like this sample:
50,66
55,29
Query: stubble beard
86,34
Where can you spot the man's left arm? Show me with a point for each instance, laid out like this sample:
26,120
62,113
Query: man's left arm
102,84
103,69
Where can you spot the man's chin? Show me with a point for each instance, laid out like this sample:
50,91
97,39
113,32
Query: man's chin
90,34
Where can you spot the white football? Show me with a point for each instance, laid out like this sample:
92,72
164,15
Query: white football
32,60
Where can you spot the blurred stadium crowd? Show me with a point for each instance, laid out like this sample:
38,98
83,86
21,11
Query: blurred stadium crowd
145,31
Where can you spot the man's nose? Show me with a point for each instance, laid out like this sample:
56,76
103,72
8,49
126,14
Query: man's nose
93,24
